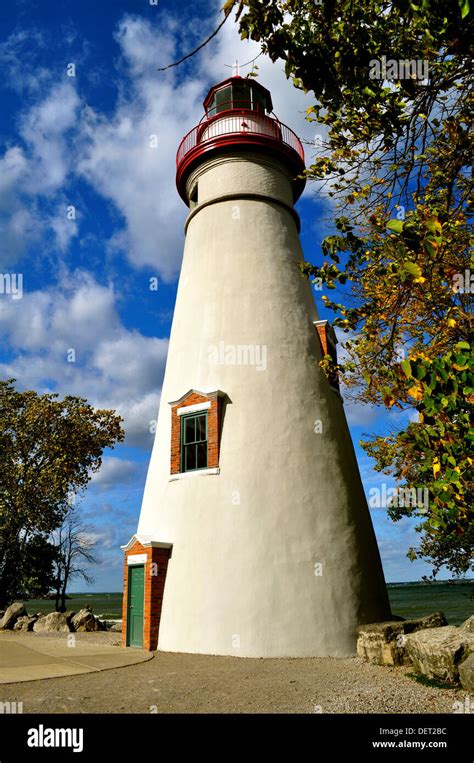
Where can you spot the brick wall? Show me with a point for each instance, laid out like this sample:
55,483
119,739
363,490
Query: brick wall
327,348
323,338
156,567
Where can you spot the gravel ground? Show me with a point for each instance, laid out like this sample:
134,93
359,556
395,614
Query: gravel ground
184,683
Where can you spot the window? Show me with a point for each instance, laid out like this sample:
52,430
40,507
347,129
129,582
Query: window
222,101
241,96
193,197
196,422
259,103
193,442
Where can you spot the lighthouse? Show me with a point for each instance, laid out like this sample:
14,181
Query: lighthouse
254,537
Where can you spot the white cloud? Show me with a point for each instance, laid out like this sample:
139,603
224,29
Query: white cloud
113,367
71,314
120,160
44,129
18,61
17,221
36,171
114,472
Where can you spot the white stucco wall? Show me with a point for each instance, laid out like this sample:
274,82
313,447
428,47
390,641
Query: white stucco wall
241,580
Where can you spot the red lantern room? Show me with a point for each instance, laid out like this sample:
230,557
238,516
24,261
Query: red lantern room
239,117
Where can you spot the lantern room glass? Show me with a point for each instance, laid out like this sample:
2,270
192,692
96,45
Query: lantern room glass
238,95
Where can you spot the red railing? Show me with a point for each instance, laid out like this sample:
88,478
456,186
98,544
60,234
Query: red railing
235,122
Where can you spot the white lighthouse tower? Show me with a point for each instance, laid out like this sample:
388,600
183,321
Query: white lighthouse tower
254,537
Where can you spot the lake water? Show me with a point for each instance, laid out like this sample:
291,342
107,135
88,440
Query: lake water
408,600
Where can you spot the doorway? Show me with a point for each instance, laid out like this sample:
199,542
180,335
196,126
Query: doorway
136,590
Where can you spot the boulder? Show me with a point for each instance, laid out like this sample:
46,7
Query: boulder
85,621
466,673
116,628
385,643
55,622
25,623
438,652
468,625
11,615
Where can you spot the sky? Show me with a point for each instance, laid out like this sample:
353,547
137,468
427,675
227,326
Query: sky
89,213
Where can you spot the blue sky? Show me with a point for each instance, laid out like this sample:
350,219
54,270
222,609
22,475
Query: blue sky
89,213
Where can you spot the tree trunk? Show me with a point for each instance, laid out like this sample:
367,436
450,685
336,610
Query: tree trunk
62,605
58,591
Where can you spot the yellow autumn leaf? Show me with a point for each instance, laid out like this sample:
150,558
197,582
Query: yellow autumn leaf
436,467
451,323
420,279
416,393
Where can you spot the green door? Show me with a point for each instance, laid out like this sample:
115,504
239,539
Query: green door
136,587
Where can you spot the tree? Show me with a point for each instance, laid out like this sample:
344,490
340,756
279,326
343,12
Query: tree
392,86
35,568
48,449
74,543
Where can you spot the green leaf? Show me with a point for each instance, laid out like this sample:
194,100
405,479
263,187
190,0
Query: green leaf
412,268
395,225
430,246
406,365
464,6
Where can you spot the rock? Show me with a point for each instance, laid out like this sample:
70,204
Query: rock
11,615
85,621
468,625
25,623
466,673
385,643
55,622
116,628
438,652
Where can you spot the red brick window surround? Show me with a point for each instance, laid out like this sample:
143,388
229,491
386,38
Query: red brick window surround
193,401
328,341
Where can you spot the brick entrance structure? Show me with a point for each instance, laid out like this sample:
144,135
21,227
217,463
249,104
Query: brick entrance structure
154,556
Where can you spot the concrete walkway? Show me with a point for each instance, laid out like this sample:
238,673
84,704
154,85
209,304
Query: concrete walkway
30,657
